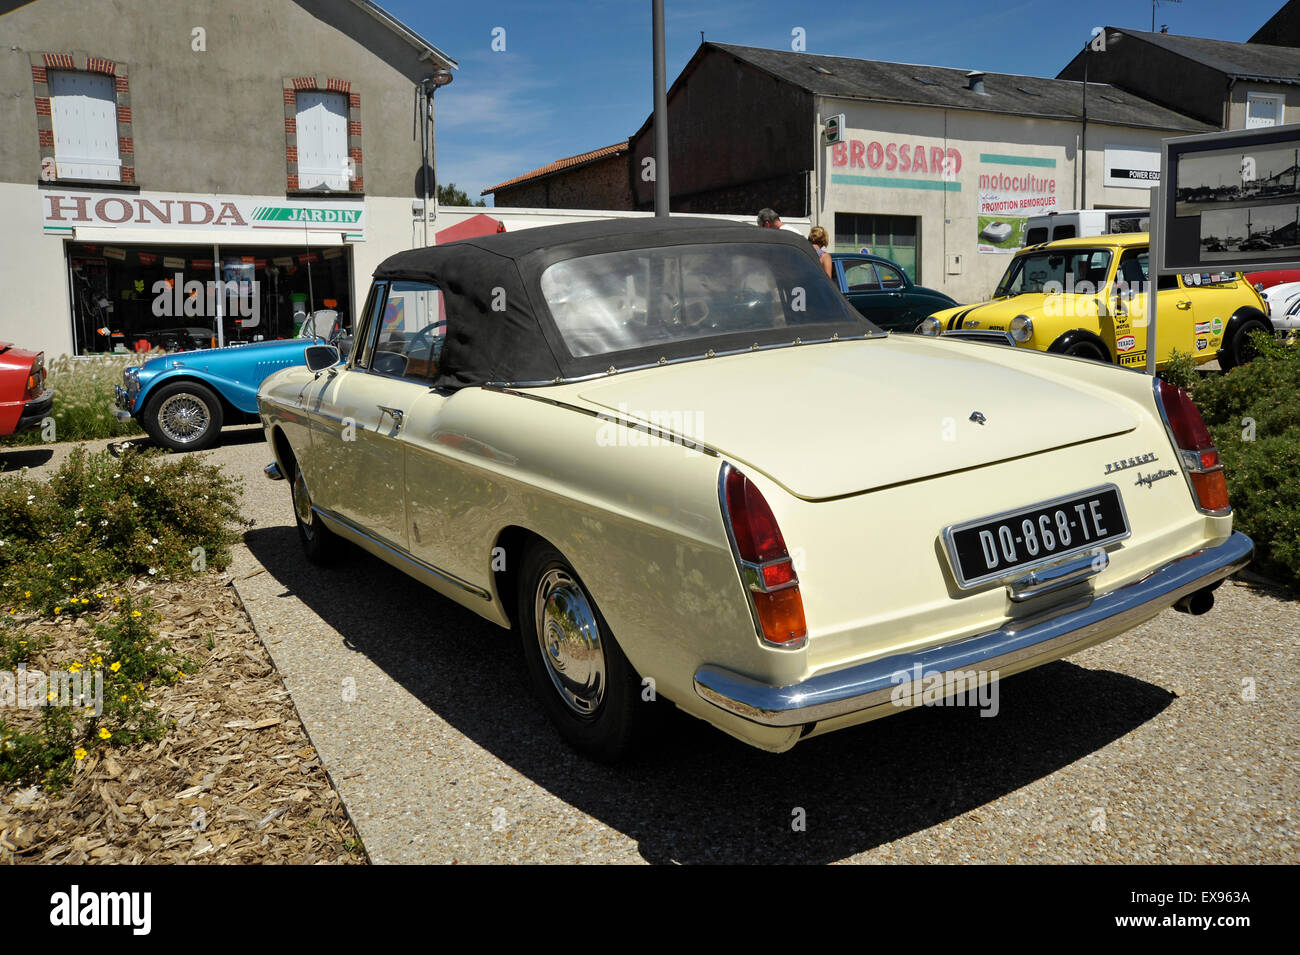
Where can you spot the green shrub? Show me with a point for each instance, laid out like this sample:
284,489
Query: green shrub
1180,371
1253,412
126,657
83,400
102,518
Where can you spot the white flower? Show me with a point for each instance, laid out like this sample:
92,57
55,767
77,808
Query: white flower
155,540
147,480
153,570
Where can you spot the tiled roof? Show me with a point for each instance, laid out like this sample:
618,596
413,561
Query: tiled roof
560,164
944,87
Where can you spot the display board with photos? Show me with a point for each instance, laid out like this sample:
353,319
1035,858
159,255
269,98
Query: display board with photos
1232,201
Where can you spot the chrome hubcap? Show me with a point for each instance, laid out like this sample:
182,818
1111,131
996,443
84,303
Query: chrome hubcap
183,418
302,502
569,638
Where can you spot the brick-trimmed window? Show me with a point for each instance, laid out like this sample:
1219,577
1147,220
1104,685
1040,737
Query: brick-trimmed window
322,135
83,118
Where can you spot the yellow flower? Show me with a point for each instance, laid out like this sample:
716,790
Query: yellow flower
135,613
105,734
141,686
117,600
50,696
57,609
96,660
123,697
27,593
74,668
80,753
117,665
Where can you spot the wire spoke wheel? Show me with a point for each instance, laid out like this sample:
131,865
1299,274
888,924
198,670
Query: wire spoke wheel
184,418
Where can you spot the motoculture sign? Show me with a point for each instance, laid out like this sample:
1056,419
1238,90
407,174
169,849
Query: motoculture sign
1011,189
63,211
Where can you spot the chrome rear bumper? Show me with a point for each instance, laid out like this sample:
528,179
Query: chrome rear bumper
1016,646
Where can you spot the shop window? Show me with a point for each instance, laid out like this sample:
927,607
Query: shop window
83,112
1264,109
893,237
137,298
323,140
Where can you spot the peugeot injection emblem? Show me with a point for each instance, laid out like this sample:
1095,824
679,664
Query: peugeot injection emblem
977,417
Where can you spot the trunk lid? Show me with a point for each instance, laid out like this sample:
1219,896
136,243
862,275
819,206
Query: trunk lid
830,420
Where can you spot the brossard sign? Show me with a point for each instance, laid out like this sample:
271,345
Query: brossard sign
64,211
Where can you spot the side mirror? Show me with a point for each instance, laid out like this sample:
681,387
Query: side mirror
320,357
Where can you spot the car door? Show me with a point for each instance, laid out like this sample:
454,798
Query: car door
1127,331
358,454
860,283
904,309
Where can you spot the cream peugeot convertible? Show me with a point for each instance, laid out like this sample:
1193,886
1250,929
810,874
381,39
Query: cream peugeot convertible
673,456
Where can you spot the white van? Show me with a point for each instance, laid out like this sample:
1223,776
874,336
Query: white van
1066,225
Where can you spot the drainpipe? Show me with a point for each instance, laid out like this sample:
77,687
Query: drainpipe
1083,139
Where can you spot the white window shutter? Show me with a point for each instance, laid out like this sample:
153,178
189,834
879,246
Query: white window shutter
322,140
1263,110
83,111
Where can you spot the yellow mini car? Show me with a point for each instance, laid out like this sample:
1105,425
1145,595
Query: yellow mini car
1086,297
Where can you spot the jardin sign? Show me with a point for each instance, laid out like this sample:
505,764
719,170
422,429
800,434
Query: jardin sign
65,210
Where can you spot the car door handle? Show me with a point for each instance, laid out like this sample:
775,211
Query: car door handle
1184,305
397,413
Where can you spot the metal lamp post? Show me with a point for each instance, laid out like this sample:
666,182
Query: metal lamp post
428,86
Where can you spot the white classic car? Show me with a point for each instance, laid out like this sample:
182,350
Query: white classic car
1283,306
674,457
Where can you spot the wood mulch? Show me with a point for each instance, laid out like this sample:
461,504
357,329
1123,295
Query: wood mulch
234,779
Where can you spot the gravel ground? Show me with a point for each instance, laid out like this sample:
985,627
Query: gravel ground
1149,748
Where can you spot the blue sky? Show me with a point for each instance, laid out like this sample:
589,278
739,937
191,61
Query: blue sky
575,74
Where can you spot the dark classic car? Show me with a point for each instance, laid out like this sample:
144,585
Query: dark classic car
883,293
24,399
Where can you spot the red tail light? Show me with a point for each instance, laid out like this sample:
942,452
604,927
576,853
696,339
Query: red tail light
1196,451
765,565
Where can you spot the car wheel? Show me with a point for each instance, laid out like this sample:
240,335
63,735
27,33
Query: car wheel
320,544
1087,350
1241,350
585,683
184,416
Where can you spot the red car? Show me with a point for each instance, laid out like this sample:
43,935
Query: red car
1267,279
24,399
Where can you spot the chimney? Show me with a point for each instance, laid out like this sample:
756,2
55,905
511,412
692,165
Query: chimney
975,82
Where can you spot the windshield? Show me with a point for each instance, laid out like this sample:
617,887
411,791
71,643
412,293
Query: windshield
1069,268
620,301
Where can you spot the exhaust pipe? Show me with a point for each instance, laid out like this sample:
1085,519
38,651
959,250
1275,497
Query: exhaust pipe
1196,603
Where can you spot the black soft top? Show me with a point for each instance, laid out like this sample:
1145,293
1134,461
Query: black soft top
517,341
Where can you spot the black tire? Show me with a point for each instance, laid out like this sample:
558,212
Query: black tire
590,692
321,545
1087,350
1240,350
184,416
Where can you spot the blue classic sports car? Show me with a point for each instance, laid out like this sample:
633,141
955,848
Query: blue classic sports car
182,400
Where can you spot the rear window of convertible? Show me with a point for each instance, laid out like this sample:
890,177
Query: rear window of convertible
620,301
